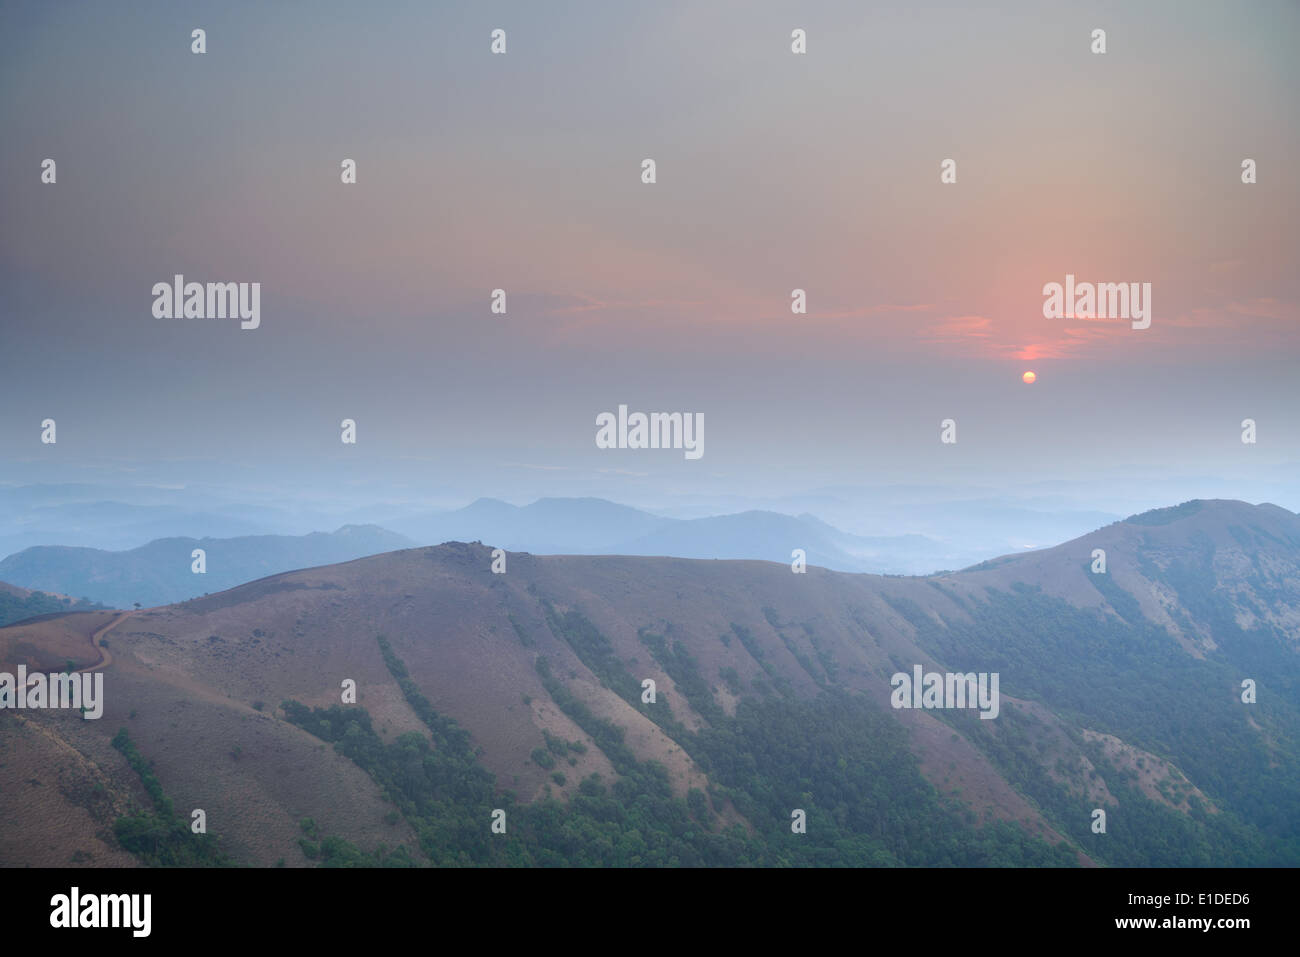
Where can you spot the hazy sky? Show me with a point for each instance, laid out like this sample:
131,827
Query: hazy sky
523,171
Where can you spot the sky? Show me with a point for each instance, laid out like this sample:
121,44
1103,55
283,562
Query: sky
522,171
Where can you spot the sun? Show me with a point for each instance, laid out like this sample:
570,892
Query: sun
1029,378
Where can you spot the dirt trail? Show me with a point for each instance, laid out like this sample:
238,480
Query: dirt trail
179,681
105,656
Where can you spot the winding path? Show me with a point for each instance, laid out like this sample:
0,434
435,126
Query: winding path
105,656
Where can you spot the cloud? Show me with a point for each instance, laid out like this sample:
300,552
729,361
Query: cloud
959,327
864,312
1077,339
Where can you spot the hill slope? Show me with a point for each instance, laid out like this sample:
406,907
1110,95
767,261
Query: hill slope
1119,691
19,603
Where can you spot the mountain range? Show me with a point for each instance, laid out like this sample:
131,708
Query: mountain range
1148,670
160,571
883,529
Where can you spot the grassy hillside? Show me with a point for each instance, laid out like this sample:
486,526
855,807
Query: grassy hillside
17,604
527,693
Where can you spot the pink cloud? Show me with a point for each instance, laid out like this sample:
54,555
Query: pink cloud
1077,340
959,327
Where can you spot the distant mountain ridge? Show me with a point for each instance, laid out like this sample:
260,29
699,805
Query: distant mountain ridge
158,572
593,526
907,530
161,571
